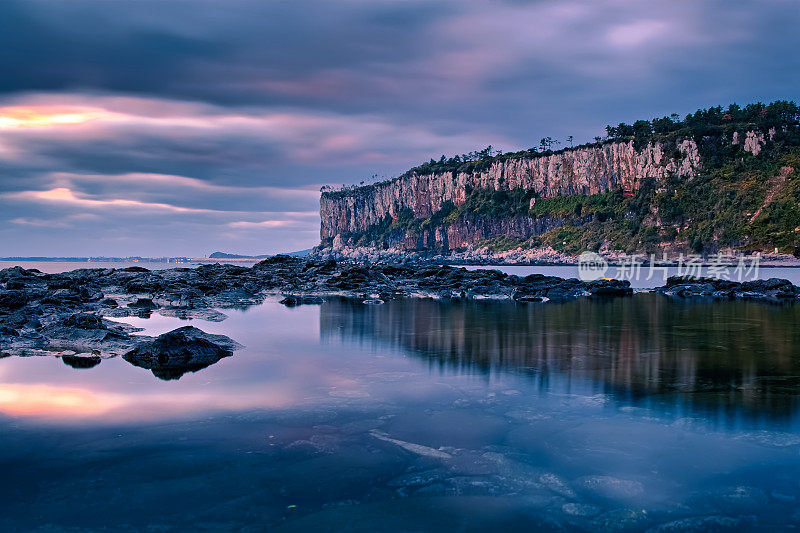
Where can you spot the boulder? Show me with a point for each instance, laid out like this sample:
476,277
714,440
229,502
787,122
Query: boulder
187,349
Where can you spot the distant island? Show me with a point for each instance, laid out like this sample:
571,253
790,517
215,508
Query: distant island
136,259
101,259
224,255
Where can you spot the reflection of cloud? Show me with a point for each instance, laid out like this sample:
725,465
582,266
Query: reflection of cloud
55,402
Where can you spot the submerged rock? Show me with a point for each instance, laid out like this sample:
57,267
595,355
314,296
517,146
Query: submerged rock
187,349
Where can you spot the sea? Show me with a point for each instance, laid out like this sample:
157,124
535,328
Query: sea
642,413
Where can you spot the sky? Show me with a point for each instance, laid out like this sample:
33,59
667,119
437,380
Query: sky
183,127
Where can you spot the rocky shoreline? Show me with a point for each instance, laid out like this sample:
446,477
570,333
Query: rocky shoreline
484,256
71,314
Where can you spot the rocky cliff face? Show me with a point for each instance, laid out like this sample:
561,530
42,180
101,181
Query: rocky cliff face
580,171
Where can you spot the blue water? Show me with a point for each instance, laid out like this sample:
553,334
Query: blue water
631,414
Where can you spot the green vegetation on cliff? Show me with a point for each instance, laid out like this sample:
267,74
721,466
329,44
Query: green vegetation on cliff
748,202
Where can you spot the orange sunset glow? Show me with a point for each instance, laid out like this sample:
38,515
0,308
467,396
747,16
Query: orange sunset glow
14,117
54,401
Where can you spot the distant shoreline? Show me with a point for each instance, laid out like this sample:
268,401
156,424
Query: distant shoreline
208,261
171,261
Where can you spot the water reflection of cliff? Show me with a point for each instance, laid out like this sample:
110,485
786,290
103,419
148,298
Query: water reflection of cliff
724,357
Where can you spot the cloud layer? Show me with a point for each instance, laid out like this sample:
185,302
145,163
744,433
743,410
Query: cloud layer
169,127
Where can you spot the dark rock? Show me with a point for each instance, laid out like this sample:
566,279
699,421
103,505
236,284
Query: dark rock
769,290
185,349
91,294
64,295
13,299
16,272
278,260
134,269
610,287
9,332
81,360
109,302
292,300
84,321
143,303
17,318
147,285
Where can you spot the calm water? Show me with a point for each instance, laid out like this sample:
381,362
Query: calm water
418,416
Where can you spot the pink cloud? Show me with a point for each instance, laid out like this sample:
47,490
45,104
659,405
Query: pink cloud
301,136
63,195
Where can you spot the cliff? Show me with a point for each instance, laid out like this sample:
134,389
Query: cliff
717,179
581,171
